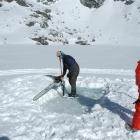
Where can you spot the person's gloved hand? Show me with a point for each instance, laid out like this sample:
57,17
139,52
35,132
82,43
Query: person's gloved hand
68,75
59,78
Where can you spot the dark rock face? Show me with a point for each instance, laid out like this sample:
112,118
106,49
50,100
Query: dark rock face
31,23
20,2
92,3
44,14
44,40
41,40
127,2
9,0
46,2
98,3
82,42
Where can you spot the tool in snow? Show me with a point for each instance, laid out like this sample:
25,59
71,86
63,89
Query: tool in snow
54,85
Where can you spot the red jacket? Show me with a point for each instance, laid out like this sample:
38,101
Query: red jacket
137,71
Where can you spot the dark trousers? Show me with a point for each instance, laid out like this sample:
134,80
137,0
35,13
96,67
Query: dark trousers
72,75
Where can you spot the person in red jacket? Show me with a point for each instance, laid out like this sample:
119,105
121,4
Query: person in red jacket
136,117
137,72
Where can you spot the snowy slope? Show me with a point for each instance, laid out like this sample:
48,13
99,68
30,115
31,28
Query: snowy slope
113,22
68,22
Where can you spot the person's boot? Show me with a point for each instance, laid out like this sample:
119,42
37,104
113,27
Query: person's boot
73,95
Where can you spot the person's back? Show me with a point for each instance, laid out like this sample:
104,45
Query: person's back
69,60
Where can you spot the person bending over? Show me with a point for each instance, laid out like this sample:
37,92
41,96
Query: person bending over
72,66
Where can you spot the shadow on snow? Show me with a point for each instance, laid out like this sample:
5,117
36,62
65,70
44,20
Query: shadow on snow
86,101
4,138
104,102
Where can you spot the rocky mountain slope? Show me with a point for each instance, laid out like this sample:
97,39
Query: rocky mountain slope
84,22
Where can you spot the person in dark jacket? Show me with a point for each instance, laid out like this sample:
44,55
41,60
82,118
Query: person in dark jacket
71,65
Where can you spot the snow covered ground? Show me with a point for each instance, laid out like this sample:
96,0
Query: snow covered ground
94,115
106,93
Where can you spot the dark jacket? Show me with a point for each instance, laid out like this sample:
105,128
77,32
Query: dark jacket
68,63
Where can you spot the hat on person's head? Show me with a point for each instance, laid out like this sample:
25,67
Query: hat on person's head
58,53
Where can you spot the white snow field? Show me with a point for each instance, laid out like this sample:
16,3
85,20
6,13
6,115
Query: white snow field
106,91
95,115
